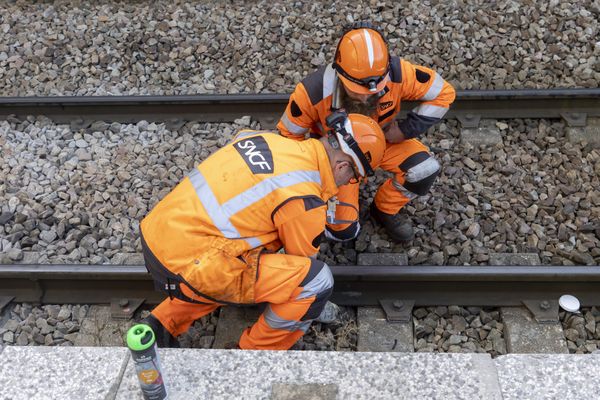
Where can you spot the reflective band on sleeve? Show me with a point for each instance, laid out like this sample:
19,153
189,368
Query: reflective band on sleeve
292,127
427,110
245,133
276,322
320,283
211,205
253,242
434,89
263,188
404,190
329,79
423,170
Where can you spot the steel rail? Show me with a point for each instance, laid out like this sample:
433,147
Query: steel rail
575,105
354,285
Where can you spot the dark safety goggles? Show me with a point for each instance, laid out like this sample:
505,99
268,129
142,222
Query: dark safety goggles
370,82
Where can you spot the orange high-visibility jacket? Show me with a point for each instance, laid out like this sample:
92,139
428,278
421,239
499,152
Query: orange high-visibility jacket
261,190
312,100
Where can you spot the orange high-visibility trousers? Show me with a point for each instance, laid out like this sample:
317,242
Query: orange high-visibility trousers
295,288
415,170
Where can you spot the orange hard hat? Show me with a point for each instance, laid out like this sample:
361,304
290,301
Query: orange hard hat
362,61
359,137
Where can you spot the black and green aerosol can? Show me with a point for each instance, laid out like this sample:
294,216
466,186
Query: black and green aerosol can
142,344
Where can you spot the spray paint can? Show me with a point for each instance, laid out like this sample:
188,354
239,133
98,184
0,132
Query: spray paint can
142,344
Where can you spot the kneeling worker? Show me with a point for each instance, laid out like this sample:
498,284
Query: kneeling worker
212,241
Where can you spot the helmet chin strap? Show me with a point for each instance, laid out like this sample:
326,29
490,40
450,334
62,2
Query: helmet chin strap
332,204
336,101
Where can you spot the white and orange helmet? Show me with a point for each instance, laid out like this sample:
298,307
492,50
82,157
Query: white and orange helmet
362,60
358,136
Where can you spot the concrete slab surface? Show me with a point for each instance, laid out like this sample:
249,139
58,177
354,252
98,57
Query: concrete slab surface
487,133
107,373
236,374
375,333
523,334
38,372
98,328
282,391
544,376
589,134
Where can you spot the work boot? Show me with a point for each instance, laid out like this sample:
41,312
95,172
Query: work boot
162,335
397,226
330,313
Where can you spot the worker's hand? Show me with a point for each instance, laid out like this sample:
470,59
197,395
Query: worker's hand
393,134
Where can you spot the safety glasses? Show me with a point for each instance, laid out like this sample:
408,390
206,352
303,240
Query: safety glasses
370,82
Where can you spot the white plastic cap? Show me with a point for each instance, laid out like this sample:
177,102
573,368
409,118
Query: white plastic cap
569,303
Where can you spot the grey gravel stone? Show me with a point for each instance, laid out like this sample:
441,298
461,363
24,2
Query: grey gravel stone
581,331
139,51
469,217
457,329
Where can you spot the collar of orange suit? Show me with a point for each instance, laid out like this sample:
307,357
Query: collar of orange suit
328,186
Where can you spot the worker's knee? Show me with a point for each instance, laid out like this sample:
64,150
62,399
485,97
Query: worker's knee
420,177
342,235
318,283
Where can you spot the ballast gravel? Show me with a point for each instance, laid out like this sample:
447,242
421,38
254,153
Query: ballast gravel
76,194
194,47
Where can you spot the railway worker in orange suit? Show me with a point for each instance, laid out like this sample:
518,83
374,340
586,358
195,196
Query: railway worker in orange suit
214,239
364,78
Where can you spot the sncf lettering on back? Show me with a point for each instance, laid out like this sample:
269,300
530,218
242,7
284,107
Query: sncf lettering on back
255,151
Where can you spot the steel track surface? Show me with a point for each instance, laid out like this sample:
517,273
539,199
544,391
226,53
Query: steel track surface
574,105
354,285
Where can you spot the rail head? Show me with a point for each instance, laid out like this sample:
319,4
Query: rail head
543,273
280,98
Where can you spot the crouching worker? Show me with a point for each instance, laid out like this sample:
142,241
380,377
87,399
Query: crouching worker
212,241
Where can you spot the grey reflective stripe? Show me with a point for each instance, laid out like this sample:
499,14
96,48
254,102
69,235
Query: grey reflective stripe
263,188
423,170
435,88
329,79
211,205
292,127
220,214
320,127
318,284
427,110
276,322
403,190
241,135
253,242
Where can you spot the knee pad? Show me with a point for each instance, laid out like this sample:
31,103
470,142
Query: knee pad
344,235
319,283
420,177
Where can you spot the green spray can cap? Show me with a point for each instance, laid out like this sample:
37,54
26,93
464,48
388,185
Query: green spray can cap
140,337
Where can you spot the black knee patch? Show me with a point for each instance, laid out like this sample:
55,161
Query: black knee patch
315,267
421,187
318,305
414,160
345,234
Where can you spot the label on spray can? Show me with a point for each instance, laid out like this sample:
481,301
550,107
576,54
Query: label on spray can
142,344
